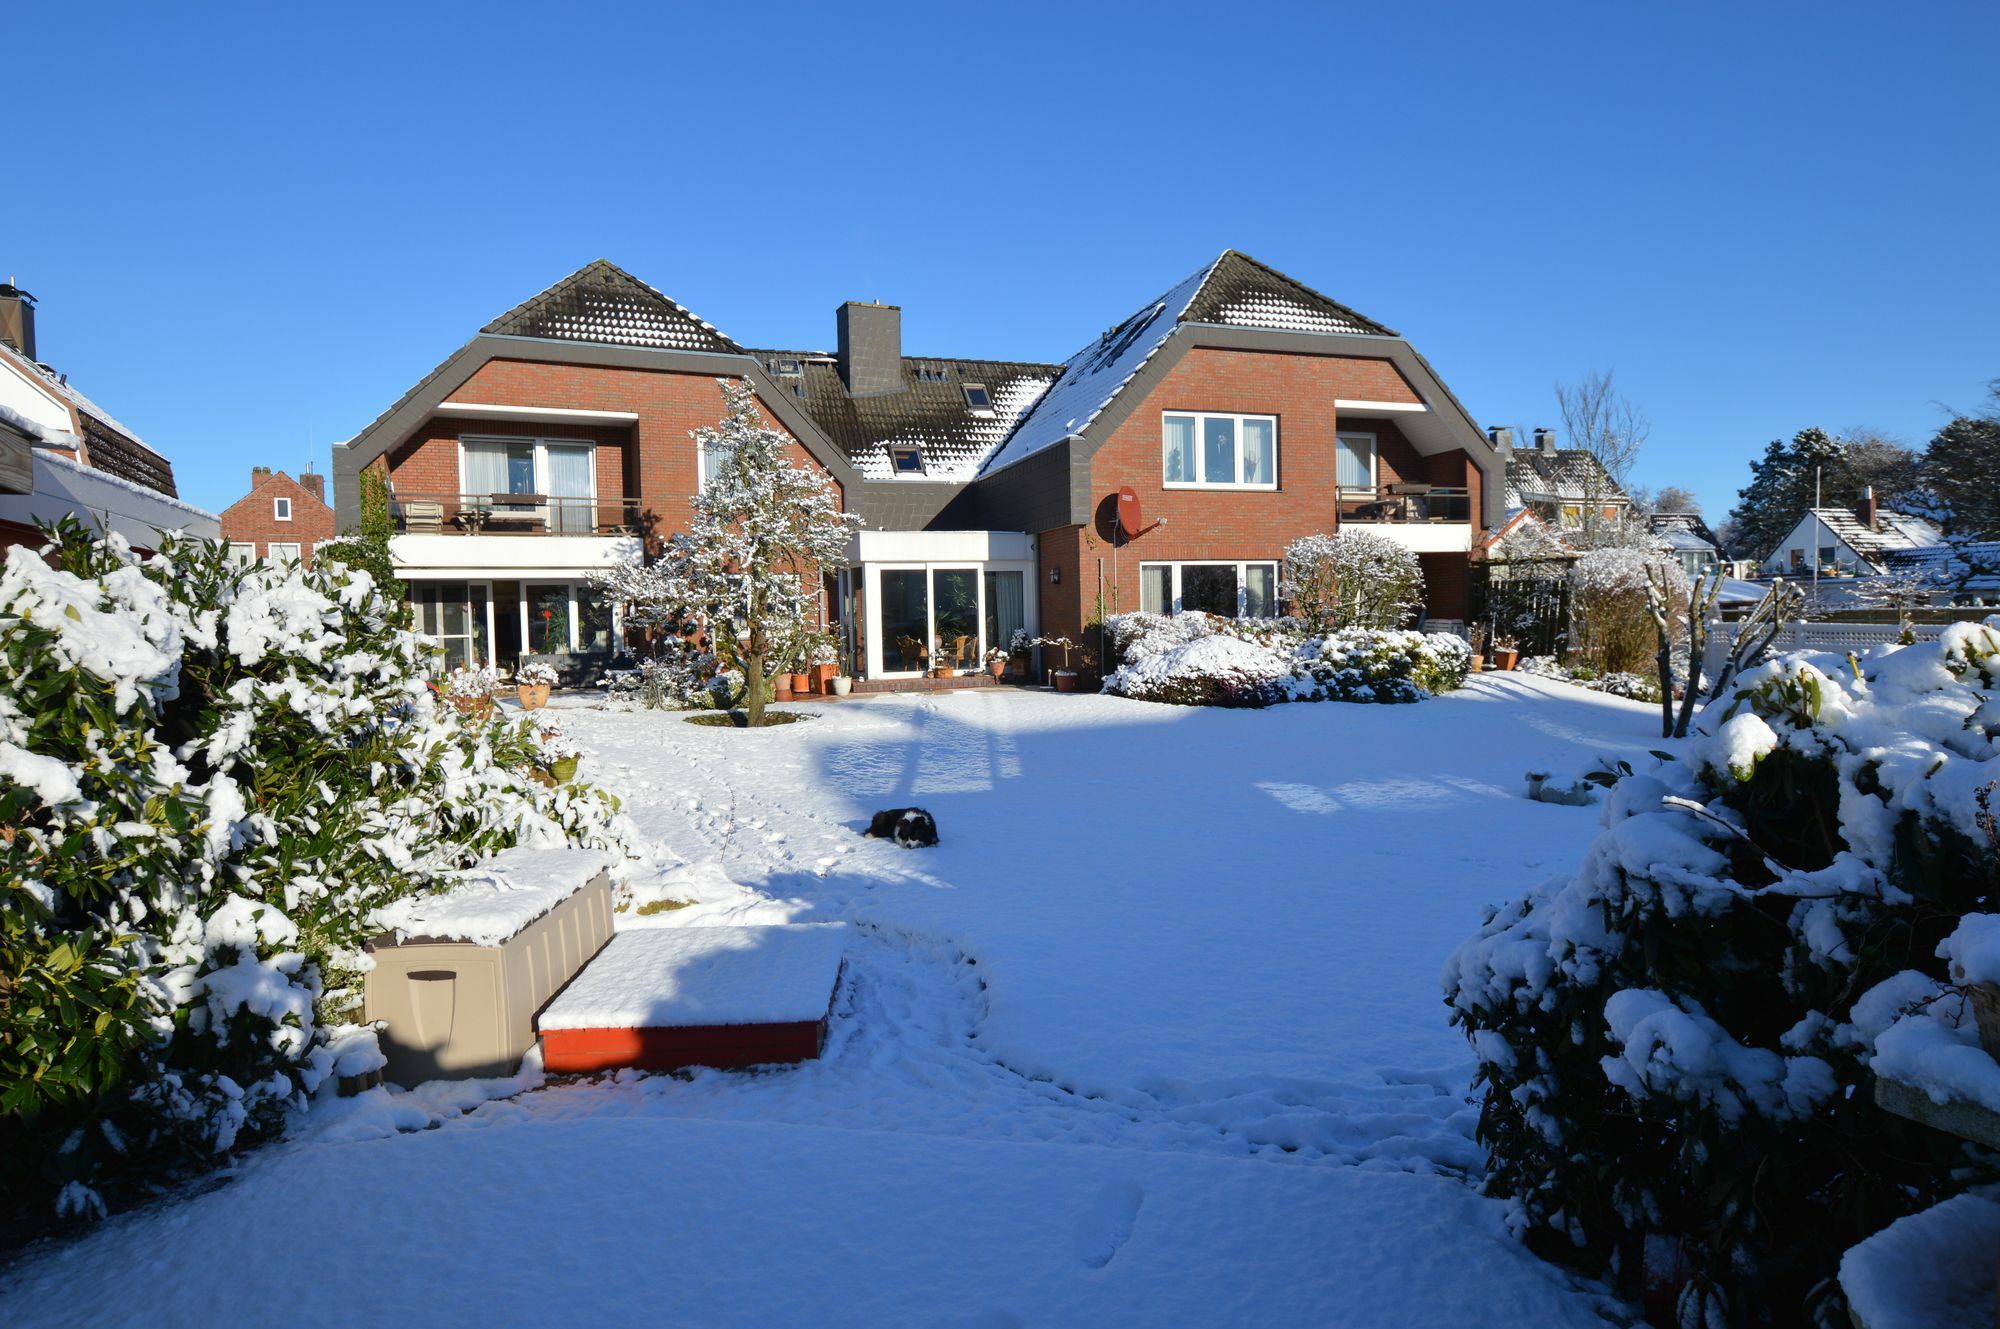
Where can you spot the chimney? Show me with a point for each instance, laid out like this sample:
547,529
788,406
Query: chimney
17,319
871,348
258,475
314,485
1867,510
1545,441
1501,437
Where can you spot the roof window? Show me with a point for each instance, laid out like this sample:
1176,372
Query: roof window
978,398
906,459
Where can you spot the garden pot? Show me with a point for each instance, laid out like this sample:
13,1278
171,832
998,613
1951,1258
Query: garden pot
842,685
477,708
781,687
997,668
822,678
942,671
801,684
533,696
1504,658
564,769
1065,680
1478,663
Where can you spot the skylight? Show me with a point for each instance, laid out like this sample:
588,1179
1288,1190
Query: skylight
906,459
977,397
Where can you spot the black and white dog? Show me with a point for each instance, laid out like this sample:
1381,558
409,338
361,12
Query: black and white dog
911,828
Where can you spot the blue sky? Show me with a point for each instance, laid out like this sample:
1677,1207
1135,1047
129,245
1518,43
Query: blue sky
252,229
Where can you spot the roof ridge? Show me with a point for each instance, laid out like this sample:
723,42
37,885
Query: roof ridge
1345,311
601,268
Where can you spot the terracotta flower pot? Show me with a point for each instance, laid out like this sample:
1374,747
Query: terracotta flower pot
942,671
1504,658
477,708
801,684
1478,663
1065,680
997,668
533,696
822,678
781,687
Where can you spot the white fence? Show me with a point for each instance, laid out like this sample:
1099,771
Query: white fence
1841,637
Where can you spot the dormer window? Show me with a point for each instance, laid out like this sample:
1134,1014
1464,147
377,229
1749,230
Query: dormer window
978,398
906,459
281,509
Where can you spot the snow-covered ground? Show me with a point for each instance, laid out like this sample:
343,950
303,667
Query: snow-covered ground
1153,1036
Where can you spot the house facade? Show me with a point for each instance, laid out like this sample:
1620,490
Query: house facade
1687,540
1566,488
279,519
1838,542
1232,414
61,454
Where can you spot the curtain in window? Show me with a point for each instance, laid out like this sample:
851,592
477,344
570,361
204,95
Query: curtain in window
499,468
1260,453
1357,457
570,480
1218,450
1260,590
1180,449
1006,608
1156,589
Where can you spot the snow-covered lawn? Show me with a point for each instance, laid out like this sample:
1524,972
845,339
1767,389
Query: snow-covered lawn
1153,1036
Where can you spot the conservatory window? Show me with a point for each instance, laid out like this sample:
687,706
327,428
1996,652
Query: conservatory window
1199,450
1229,590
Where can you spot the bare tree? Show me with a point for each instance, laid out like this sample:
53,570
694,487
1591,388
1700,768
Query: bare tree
1602,421
1673,498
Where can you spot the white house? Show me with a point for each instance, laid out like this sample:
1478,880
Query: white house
1838,542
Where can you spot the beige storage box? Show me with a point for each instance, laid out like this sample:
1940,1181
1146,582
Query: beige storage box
461,974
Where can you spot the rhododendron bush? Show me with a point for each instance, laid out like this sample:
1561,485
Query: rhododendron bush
1195,659
210,776
1677,1046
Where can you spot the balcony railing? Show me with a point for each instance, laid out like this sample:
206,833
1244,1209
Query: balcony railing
1439,504
512,514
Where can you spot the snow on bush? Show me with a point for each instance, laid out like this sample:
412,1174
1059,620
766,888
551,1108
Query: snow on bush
210,776
1356,579
1194,659
536,674
1679,1042
1615,628
1636,686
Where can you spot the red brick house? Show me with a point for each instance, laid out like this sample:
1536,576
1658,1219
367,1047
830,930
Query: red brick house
1241,409
61,454
280,518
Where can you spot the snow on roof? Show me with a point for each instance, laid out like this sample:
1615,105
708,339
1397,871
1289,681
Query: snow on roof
676,977
77,468
1896,531
601,302
21,424
57,385
1564,475
496,899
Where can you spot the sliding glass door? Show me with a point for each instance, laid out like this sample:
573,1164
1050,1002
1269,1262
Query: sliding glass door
932,617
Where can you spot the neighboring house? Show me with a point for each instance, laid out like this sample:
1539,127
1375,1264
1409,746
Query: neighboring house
280,518
1559,484
1688,539
1838,542
62,454
1240,408
1523,537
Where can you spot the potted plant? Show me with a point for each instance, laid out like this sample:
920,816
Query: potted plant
560,753
996,663
532,682
843,682
825,664
1505,656
1018,647
781,686
1064,678
470,691
1476,638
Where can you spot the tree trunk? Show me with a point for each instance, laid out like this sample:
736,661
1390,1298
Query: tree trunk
1666,659
753,687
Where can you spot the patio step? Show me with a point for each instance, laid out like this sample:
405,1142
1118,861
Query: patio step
864,685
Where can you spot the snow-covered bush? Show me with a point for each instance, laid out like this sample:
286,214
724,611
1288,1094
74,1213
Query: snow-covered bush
1679,1042
681,677
1356,579
471,684
210,775
1615,630
1638,687
1197,660
537,674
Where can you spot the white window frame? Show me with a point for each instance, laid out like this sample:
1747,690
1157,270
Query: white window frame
281,509
576,591
1200,419
1242,566
277,551
541,446
1374,460
875,654
243,552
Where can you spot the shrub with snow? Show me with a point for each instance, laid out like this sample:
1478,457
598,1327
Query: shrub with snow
1198,660
536,674
1356,579
1615,627
210,775
1638,687
1679,1042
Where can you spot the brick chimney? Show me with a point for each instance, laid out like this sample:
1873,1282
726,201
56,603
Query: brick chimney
870,348
1867,509
17,318
1545,441
314,485
258,475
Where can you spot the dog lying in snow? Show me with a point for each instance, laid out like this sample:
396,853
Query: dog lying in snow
911,828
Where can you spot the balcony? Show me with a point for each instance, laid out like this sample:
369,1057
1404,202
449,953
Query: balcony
417,513
1430,519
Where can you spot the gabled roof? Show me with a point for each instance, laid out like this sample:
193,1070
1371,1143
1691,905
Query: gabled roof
1561,475
601,302
1679,528
109,445
1898,531
932,412
1234,290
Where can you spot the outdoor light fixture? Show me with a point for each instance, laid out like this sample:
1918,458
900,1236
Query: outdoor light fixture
1055,576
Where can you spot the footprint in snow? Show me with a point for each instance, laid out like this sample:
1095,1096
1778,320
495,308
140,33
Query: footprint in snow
1106,1224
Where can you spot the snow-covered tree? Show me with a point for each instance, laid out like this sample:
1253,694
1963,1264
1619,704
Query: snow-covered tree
747,571
1356,579
1609,599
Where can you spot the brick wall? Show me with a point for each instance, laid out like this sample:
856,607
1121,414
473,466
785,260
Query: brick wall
652,461
252,519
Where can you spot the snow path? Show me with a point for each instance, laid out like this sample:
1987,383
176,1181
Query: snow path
1153,1035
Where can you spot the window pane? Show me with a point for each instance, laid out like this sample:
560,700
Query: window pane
1218,450
593,621
955,595
1180,449
906,614
1006,608
1209,587
1260,453
1260,590
571,478
1156,589
548,620
1356,462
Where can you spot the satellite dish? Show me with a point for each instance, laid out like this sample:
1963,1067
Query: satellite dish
1130,519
